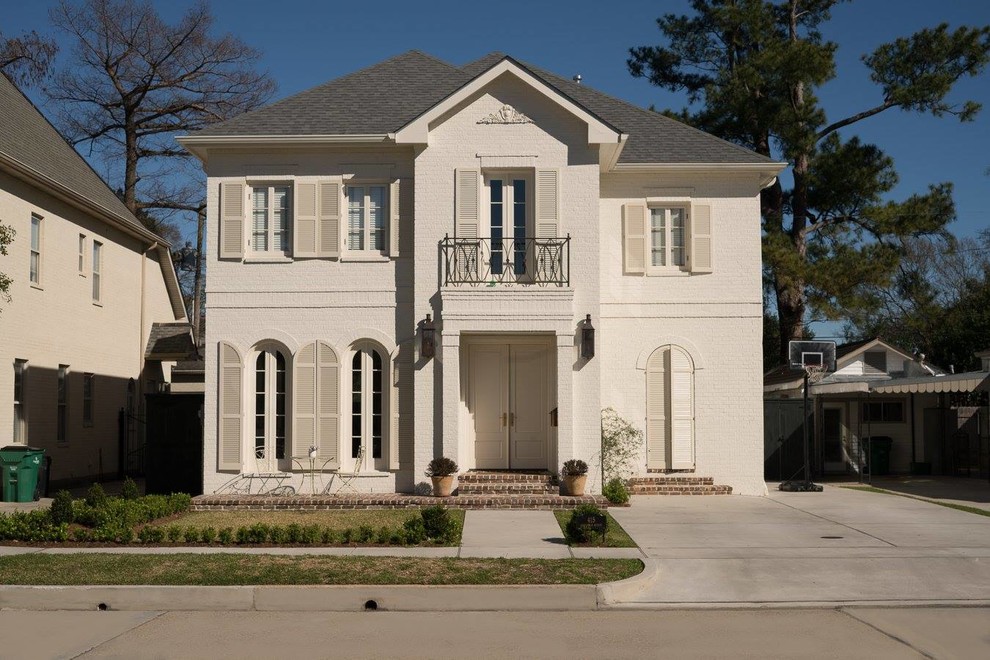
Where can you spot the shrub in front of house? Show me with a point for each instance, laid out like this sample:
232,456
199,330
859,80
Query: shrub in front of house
129,491
575,531
615,491
62,511
439,525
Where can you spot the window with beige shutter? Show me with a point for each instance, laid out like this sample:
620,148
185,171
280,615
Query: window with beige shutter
232,220
316,401
230,417
670,409
666,239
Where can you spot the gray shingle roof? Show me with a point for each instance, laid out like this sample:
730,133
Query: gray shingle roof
168,340
28,138
386,96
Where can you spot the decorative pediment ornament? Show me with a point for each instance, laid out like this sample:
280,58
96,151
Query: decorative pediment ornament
506,115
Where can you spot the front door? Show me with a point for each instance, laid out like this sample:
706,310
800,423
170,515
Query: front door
833,432
509,405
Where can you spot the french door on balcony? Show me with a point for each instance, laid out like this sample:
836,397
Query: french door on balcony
508,386
509,221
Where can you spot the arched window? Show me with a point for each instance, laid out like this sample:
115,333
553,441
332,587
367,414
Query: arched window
367,403
269,409
670,409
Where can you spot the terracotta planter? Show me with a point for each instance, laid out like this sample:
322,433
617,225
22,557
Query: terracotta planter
574,484
443,486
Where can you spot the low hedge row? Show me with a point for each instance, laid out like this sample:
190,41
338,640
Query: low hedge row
101,519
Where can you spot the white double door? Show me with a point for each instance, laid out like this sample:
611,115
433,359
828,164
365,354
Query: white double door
509,405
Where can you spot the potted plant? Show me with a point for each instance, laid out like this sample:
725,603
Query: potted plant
441,471
575,474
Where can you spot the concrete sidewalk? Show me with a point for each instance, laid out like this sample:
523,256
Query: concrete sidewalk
832,547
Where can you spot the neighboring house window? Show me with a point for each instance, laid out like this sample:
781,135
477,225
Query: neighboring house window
20,402
269,408
270,219
366,226
876,360
667,238
670,409
82,254
367,402
88,399
62,403
883,411
97,269
35,270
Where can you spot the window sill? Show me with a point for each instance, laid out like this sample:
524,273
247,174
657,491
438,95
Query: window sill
82,274
268,259
669,273
97,303
37,286
368,258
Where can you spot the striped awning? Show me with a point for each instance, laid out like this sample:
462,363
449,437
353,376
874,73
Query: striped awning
971,381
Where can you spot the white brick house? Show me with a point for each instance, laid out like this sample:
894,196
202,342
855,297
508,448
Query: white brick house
508,204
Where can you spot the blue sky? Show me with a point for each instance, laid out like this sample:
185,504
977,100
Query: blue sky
308,42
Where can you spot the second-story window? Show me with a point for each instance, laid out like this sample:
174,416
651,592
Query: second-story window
270,219
667,238
82,254
97,270
366,209
35,269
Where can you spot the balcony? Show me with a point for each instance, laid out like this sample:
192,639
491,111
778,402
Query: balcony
497,261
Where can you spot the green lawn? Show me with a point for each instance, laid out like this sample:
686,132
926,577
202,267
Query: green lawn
615,536
338,520
234,569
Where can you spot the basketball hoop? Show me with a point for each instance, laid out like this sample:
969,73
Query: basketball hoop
816,372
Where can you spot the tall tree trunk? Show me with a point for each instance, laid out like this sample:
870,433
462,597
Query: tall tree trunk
130,166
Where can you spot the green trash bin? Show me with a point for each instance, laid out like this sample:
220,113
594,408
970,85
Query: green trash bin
880,447
20,466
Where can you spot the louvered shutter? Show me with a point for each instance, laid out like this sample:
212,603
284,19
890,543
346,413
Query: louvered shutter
401,205
700,253
403,418
328,406
304,230
393,403
681,383
231,408
656,409
304,400
634,237
328,223
231,220
547,203
468,212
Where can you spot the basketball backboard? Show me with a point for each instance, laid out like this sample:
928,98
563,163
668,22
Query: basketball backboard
805,354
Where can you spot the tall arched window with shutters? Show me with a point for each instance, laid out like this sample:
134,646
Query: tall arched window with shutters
269,410
670,409
369,416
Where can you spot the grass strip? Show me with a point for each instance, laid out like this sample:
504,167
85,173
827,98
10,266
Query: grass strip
336,519
615,536
947,505
231,569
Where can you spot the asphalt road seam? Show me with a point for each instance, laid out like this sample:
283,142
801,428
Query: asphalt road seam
892,636
120,634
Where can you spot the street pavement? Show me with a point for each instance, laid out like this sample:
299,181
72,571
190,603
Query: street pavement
839,546
868,633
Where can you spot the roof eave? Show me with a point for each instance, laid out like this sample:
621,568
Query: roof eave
768,171
81,202
417,130
198,145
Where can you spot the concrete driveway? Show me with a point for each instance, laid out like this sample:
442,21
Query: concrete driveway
839,546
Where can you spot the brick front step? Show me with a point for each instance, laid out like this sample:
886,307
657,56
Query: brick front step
497,477
506,489
672,481
388,501
686,490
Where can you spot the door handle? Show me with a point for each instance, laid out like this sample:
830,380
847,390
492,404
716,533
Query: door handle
503,416
512,419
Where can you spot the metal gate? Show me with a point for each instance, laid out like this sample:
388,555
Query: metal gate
175,443
783,438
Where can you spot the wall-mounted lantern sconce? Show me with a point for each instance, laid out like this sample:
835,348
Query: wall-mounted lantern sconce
428,344
587,338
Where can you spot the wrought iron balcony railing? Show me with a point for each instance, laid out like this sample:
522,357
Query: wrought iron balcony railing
495,260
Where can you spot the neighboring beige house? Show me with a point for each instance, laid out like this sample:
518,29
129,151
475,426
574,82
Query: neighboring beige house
88,284
506,205
937,421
